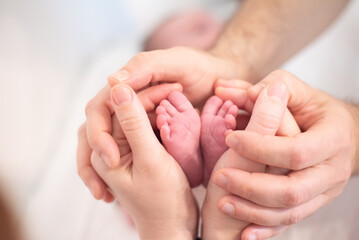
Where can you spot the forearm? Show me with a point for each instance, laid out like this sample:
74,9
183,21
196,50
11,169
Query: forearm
264,34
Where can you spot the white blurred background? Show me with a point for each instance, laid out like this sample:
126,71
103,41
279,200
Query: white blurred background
55,56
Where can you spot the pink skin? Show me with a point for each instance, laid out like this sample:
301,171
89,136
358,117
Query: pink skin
180,128
193,29
216,119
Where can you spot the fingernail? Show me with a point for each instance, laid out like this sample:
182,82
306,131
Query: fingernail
232,141
228,209
106,159
257,88
121,75
121,96
252,237
277,90
221,180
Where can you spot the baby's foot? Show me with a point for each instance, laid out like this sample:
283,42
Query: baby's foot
180,128
217,117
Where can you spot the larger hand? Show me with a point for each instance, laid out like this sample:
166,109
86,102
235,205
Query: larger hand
195,70
321,158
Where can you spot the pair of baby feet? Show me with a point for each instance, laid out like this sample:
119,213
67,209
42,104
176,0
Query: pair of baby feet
196,142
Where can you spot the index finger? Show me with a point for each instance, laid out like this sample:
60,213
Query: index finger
99,128
298,152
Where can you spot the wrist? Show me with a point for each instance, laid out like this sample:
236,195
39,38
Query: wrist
241,65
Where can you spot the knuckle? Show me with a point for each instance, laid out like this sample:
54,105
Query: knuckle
295,216
132,125
268,121
140,59
248,193
89,107
294,196
283,75
81,131
84,175
95,142
344,174
335,194
279,74
288,78
299,157
253,216
80,172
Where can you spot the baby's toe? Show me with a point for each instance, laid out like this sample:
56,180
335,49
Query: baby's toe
224,109
180,101
230,122
212,105
170,109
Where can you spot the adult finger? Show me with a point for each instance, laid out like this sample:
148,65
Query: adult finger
110,176
270,190
99,128
121,141
152,96
195,70
134,122
154,66
237,96
90,178
294,153
259,232
247,211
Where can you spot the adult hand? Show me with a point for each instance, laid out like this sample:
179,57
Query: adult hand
195,70
96,134
266,118
148,182
321,160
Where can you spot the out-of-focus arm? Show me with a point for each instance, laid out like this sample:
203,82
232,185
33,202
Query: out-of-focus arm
262,35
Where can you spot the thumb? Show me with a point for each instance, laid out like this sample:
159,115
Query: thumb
269,109
134,121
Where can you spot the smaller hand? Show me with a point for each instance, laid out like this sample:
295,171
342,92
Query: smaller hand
96,134
148,182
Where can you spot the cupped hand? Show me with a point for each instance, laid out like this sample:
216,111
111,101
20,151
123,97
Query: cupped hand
148,182
184,68
321,160
195,70
99,134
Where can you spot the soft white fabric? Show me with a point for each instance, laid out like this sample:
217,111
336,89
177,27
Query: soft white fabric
55,56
